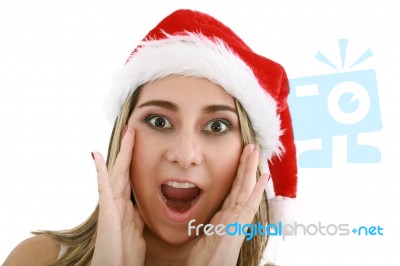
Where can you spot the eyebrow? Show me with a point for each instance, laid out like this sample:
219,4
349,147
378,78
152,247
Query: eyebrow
160,103
218,107
173,107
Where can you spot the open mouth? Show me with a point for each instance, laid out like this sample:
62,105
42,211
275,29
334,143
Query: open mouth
178,196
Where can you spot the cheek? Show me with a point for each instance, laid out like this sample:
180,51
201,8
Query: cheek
223,164
227,155
143,160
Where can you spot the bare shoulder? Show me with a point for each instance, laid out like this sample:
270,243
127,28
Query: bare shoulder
37,250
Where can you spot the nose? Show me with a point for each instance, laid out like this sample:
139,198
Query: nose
185,151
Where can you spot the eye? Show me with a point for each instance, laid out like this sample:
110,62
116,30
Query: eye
217,126
159,122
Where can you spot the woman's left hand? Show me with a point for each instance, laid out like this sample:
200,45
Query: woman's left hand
240,206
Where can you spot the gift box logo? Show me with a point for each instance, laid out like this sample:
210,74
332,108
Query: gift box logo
344,103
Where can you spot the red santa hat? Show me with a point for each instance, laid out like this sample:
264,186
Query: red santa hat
192,43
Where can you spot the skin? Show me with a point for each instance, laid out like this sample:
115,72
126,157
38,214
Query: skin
132,235
36,251
186,149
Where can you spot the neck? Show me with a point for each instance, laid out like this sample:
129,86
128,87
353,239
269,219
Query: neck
160,252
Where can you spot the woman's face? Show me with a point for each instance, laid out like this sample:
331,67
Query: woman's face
186,153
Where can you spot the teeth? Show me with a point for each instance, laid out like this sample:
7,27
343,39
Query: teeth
179,184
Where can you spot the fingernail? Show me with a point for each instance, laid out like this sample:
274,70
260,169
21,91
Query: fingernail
92,155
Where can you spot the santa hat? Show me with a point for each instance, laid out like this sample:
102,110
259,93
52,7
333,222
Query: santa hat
192,43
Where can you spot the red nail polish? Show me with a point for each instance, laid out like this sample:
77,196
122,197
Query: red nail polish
92,155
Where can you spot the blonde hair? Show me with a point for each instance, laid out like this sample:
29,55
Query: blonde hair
81,239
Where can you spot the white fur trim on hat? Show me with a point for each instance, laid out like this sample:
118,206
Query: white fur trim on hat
198,56
286,210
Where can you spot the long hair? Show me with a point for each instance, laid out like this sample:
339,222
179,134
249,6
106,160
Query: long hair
80,240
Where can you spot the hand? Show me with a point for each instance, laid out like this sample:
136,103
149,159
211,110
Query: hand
119,238
240,206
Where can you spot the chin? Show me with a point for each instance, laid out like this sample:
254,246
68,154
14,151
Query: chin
175,236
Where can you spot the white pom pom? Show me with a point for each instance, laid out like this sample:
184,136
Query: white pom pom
286,210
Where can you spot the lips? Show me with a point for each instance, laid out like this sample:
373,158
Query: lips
180,196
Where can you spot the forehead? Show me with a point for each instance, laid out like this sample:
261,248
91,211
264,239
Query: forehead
185,90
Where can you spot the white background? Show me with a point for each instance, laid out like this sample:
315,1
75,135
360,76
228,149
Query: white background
56,63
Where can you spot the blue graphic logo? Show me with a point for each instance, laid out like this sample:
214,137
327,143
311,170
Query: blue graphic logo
344,103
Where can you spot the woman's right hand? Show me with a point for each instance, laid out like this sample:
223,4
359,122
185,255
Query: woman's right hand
119,238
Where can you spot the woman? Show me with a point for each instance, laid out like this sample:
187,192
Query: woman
198,117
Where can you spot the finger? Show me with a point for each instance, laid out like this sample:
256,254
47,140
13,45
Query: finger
249,179
139,223
248,211
103,181
120,173
239,176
